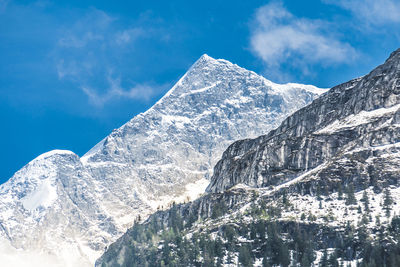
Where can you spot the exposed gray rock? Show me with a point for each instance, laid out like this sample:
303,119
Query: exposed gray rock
349,134
72,208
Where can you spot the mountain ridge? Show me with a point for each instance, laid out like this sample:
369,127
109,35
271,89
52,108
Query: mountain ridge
322,189
338,104
161,155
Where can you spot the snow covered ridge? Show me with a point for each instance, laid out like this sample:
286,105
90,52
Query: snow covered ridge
322,189
68,209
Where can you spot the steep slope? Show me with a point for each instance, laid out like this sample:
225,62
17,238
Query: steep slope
322,188
179,140
350,133
48,201
69,209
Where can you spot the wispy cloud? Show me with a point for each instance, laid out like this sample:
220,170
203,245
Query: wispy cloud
115,91
95,26
79,41
278,37
73,69
95,44
128,36
371,12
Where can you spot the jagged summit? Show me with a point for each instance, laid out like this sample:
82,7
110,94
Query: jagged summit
207,75
325,183
163,155
395,54
206,58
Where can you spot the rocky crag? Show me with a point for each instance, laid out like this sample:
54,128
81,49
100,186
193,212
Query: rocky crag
63,210
322,189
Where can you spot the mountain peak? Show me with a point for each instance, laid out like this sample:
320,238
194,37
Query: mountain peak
207,62
205,72
206,57
55,152
158,157
395,54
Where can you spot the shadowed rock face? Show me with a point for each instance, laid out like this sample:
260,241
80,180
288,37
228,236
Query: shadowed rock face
351,133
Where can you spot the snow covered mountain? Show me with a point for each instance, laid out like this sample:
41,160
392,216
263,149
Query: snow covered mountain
322,189
62,210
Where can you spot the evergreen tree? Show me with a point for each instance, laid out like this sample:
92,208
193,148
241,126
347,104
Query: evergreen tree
333,260
350,197
245,257
359,209
318,193
387,201
219,209
285,200
340,191
364,219
265,262
324,259
365,200
378,220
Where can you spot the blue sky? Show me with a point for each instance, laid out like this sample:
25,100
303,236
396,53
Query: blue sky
71,71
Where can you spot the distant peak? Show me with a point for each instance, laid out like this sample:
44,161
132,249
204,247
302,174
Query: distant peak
206,57
54,153
207,61
395,55
391,67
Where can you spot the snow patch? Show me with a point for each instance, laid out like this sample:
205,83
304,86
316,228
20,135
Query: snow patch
308,88
44,195
196,189
192,191
201,90
358,119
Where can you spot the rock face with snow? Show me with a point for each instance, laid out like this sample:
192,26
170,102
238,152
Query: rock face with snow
325,183
68,209
352,132
179,140
48,208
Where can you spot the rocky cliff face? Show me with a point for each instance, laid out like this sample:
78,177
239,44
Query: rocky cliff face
67,209
342,135
324,184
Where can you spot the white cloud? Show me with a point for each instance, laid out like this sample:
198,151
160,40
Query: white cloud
115,91
74,70
79,41
93,27
278,37
373,12
90,47
128,36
